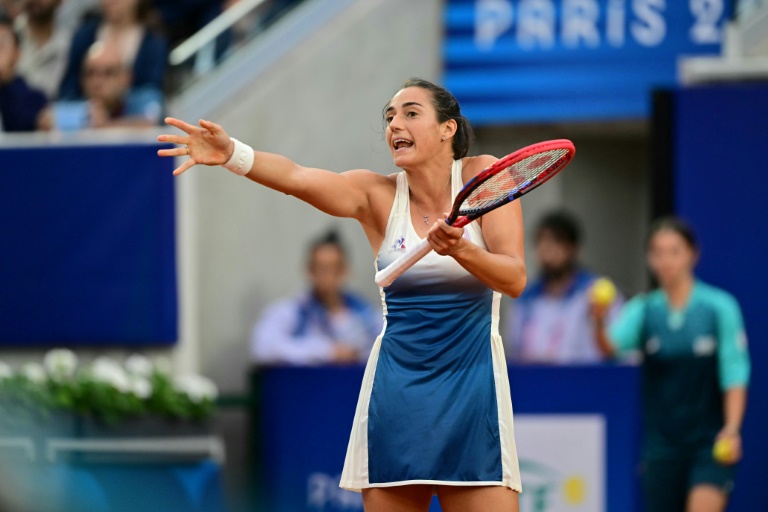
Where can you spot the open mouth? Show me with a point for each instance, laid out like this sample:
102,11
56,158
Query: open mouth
400,144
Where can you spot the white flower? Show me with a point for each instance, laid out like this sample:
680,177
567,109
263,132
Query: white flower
107,371
5,371
34,372
139,365
142,388
162,364
60,363
196,387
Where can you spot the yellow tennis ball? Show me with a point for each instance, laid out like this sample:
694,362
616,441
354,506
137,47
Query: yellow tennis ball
723,451
603,292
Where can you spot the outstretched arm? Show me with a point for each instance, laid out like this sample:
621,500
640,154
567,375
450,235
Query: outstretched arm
340,195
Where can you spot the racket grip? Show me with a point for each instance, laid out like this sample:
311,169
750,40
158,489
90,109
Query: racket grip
387,276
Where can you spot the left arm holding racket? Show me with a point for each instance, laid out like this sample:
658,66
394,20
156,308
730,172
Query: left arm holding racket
501,183
501,265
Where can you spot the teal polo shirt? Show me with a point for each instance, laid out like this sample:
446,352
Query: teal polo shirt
691,356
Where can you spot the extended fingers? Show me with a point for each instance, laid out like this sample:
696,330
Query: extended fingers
183,167
174,139
210,126
181,125
173,152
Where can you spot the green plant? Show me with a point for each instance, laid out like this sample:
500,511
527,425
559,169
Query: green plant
103,389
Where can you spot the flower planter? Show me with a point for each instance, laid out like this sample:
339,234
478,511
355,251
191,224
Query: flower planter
18,422
144,426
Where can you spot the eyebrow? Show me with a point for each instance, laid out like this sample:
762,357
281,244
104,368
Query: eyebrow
409,104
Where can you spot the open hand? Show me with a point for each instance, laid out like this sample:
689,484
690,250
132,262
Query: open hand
444,239
207,145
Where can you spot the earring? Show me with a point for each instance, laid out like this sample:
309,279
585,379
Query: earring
443,138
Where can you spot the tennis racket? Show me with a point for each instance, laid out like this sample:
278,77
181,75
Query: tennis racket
500,183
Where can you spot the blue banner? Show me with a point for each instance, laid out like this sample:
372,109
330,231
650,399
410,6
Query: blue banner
527,61
306,417
720,188
88,246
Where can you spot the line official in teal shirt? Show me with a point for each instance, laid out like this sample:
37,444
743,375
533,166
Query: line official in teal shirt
695,375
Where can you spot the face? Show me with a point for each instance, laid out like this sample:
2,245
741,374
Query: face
555,256
9,53
105,77
42,9
13,7
413,133
116,10
670,257
327,270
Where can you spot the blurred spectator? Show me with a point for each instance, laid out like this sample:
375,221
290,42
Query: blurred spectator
20,105
12,8
123,25
44,46
323,326
551,321
110,101
70,14
182,18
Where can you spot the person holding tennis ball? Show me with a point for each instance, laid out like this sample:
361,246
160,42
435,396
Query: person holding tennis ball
434,414
551,322
696,371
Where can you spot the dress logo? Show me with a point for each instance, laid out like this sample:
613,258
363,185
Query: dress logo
399,245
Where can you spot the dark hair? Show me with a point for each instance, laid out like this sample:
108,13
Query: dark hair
144,10
446,107
676,225
563,226
5,21
331,238
145,13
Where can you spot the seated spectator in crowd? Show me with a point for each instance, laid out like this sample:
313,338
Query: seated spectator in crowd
44,46
182,18
109,99
72,12
326,325
12,9
20,105
122,25
551,322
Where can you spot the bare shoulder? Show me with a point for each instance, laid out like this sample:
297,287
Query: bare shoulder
471,166
379,192
368,178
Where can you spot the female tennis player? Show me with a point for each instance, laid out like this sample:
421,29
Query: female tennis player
695,375
434,414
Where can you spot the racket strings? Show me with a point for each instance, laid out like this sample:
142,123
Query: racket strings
514,180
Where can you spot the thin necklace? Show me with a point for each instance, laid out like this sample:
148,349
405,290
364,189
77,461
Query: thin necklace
426,217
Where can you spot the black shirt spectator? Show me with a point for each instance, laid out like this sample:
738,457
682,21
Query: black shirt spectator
20,105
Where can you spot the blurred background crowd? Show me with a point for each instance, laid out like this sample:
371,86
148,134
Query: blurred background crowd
75,64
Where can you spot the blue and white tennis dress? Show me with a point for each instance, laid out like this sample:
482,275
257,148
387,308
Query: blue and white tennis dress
435,406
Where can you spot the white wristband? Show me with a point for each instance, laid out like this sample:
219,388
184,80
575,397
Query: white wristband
241,160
